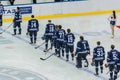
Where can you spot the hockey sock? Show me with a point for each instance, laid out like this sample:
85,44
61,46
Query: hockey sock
101,67
58,52
31,39
67,56
111,74
19,30
46,45
62,52
96,69
15,31
51,44
72,55
79,62
34,39
55,51
115,74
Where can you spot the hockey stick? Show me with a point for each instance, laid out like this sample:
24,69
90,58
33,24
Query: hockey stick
39,45
6,28
47,57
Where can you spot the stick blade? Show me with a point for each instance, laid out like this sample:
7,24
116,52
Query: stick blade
35,47
42,59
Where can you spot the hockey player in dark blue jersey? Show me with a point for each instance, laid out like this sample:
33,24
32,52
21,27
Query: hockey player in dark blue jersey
1,12
113,60
98,57
117,66
17,21
60,40
33,28
69,39
54,38
82,51
49,31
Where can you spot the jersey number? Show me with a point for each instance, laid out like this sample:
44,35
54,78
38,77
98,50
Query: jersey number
33,25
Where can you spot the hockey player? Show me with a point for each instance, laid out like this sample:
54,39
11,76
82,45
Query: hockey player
60,40
54,38
33,28
49,31
1,13
69,39
117,66
82,51
17,21
113,60
98,57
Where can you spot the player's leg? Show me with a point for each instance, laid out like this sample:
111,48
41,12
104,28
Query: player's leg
79,61
52,42
117,69
96,66
62,47
101,66
111,68
0,20
85,58
19,27
35,36
31,37
46,44
55,46
58,48
67,52
14,28
71,51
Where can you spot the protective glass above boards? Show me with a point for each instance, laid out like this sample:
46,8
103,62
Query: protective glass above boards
67,0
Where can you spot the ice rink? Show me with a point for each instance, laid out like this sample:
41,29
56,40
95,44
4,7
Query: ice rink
21,61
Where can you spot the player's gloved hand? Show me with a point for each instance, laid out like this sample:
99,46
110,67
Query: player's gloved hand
27,33
43,37
88,52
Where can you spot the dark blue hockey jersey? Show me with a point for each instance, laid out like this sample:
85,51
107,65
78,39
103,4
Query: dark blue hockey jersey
99,53
113,56
54,37
61,35
33,25
69,39
49,29
18,16
82,46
